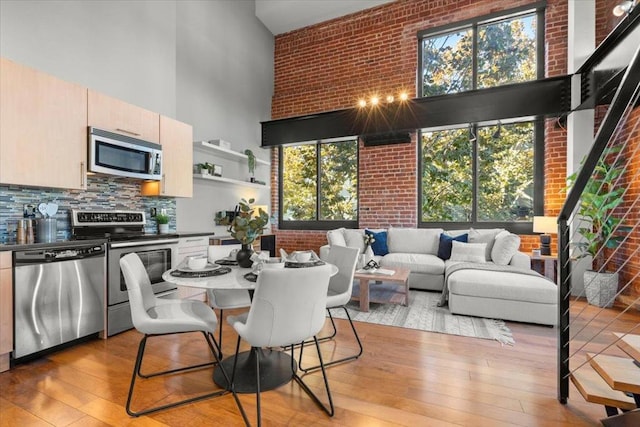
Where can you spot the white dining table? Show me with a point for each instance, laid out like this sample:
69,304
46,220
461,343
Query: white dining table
232,280
275,365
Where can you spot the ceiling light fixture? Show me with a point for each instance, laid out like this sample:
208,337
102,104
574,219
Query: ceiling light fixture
362,103
403,96
622,8
375,100
389,99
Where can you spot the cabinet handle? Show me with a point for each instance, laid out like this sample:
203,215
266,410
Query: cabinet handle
83,176
128,131
164,184
194,240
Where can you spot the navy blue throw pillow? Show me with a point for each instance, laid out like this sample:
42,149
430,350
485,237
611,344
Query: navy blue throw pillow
444,249
379,247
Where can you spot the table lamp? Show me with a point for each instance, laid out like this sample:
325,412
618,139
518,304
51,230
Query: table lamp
546,225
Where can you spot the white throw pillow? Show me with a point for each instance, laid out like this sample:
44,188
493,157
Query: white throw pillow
336,237
505,247
469,252
487,236
354,239
413,240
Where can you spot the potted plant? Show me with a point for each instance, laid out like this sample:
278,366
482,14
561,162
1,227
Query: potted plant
205,168
162,219
247,227
251,161
599,227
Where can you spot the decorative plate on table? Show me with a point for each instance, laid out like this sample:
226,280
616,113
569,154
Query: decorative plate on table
226,261
201,273
209,267
301,264
252,277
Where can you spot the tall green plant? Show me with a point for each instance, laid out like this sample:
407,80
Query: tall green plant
247,227
251,161
599,199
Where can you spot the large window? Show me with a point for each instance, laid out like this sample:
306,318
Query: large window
489,173
481,53
319,185
481,174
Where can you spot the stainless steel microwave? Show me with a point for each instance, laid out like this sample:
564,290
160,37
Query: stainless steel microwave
114,154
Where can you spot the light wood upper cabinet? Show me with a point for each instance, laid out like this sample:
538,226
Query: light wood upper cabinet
6,310
177,161
115,115
43,129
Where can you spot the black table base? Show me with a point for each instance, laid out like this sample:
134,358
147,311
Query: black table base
275,370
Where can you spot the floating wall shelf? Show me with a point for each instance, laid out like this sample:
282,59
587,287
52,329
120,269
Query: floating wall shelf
225,153
230,181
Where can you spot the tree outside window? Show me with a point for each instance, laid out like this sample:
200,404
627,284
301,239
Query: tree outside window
480,173
500,188
319,184
503,51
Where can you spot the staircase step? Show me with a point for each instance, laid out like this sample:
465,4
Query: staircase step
594,389
630,344
628,419
619,372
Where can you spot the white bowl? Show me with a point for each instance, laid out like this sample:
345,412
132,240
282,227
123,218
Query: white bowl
302,256
197,263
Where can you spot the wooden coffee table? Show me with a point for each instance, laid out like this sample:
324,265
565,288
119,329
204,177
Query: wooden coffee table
400,276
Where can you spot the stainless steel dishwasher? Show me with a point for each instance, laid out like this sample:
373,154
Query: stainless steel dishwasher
58,296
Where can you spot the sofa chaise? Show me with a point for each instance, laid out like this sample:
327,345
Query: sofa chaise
480,272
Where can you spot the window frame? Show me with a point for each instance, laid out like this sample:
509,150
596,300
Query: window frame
317,224
518,227
536,8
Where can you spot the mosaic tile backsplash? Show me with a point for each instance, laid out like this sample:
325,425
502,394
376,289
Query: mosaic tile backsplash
101,193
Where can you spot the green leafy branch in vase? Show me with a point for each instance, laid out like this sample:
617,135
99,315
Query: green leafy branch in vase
247,226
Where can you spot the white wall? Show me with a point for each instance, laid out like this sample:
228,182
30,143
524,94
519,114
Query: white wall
208,63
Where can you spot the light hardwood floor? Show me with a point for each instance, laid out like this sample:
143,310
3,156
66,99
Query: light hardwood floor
404,377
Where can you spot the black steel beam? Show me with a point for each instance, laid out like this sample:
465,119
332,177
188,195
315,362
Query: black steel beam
547,97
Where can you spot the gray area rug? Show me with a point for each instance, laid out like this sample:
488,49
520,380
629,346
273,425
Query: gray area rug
423,314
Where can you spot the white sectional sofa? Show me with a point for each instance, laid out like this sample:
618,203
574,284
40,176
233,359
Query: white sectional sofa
485,274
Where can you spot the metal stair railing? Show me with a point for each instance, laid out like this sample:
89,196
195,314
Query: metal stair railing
614,143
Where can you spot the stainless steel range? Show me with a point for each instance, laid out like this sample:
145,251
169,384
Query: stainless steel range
125,233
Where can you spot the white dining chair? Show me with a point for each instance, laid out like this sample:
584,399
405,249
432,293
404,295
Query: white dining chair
155,316
223,299
288,308
339,294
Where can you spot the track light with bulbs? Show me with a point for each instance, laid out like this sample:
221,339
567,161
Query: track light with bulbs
622,8
377,100
498,131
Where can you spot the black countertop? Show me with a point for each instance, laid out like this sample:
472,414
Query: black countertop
65,243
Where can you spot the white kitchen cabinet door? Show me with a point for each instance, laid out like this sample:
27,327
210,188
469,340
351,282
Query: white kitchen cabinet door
105,112
192,246
177,161
43,129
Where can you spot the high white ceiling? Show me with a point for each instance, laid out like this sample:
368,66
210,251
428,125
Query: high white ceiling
282,16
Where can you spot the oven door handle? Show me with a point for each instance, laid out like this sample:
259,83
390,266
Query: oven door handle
144,243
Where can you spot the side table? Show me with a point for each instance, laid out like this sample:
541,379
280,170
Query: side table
546,265
399,277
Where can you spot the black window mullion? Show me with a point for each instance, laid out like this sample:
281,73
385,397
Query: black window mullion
280,178
318,179
474,172
540,34
474,56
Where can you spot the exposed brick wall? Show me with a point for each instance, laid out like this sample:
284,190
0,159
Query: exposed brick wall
331,65
628,254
